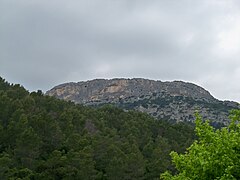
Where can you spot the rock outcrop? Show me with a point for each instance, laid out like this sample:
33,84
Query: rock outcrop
174,101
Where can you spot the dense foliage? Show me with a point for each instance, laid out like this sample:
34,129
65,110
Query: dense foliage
215,155
45,138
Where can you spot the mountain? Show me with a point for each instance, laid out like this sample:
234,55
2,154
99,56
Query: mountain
173,101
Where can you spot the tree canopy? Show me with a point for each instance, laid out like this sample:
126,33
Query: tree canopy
214,155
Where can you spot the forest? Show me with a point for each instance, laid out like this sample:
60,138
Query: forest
42,137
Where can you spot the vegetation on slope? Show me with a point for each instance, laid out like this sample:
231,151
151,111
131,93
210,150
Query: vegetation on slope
45,138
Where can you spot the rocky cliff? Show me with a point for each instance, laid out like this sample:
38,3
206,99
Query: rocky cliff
174,101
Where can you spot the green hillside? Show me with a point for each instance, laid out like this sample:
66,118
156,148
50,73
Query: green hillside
42,137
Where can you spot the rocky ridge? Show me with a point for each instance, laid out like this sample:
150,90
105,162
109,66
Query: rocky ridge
173,101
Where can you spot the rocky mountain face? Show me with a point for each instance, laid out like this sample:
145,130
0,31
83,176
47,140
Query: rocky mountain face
173,101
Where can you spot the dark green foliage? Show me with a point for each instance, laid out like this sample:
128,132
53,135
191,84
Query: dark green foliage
45,138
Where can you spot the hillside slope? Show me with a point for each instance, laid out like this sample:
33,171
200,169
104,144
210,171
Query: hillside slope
42,137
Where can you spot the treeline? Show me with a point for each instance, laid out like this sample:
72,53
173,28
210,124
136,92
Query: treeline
45,138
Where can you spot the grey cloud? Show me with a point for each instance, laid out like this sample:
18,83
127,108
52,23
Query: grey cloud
44,43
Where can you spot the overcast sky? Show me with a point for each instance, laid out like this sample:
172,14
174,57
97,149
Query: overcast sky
47,42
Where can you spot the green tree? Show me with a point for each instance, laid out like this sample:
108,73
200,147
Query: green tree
83,162
116,168
28,148
159,159
5,163
135,168
215,155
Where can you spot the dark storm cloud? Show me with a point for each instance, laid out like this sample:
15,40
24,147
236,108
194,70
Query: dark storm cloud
44,43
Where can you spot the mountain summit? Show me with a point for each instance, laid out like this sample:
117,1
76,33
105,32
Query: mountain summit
174,101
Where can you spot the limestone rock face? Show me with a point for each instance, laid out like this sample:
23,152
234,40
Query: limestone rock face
174,101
